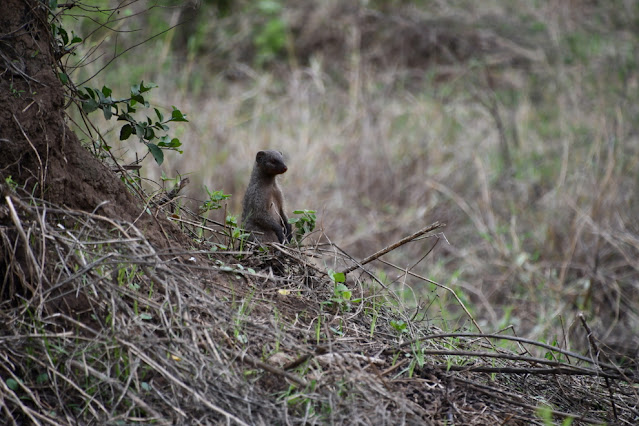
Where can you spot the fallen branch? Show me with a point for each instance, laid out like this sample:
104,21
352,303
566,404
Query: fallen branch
270,368
392,247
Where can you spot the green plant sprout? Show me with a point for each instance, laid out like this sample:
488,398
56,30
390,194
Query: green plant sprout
304,224
11,183
235,232
342,295
399,326
16,92
215,200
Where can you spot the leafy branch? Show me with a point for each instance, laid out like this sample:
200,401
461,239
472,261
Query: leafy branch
148,131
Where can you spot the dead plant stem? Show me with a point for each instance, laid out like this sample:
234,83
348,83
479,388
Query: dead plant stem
392,247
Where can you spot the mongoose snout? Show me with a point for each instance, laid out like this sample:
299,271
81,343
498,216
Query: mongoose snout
263,208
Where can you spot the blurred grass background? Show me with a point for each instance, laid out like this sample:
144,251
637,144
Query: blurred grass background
514,122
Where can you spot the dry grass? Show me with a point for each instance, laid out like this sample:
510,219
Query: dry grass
98,326
382,146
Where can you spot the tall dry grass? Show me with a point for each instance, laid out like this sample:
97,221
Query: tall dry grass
534,235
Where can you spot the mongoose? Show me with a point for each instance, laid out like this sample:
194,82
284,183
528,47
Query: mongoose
263,205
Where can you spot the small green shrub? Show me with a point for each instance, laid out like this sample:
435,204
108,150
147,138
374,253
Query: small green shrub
215,200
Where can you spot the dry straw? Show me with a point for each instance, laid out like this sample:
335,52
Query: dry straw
99,326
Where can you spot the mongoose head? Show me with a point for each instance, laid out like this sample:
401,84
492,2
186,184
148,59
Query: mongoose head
271,162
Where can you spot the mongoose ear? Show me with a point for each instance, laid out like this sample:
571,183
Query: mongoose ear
259,156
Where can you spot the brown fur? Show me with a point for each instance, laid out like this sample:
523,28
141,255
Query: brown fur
263,205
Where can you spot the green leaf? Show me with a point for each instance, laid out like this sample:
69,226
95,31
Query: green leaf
138,98
53,4
90,92
399,325
343,290
101,98
64,35
338,277
139,130
148,86
106,91
157,153
90,105
176,115
63,77
159,114
12,384
149,133
106,109
173,143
